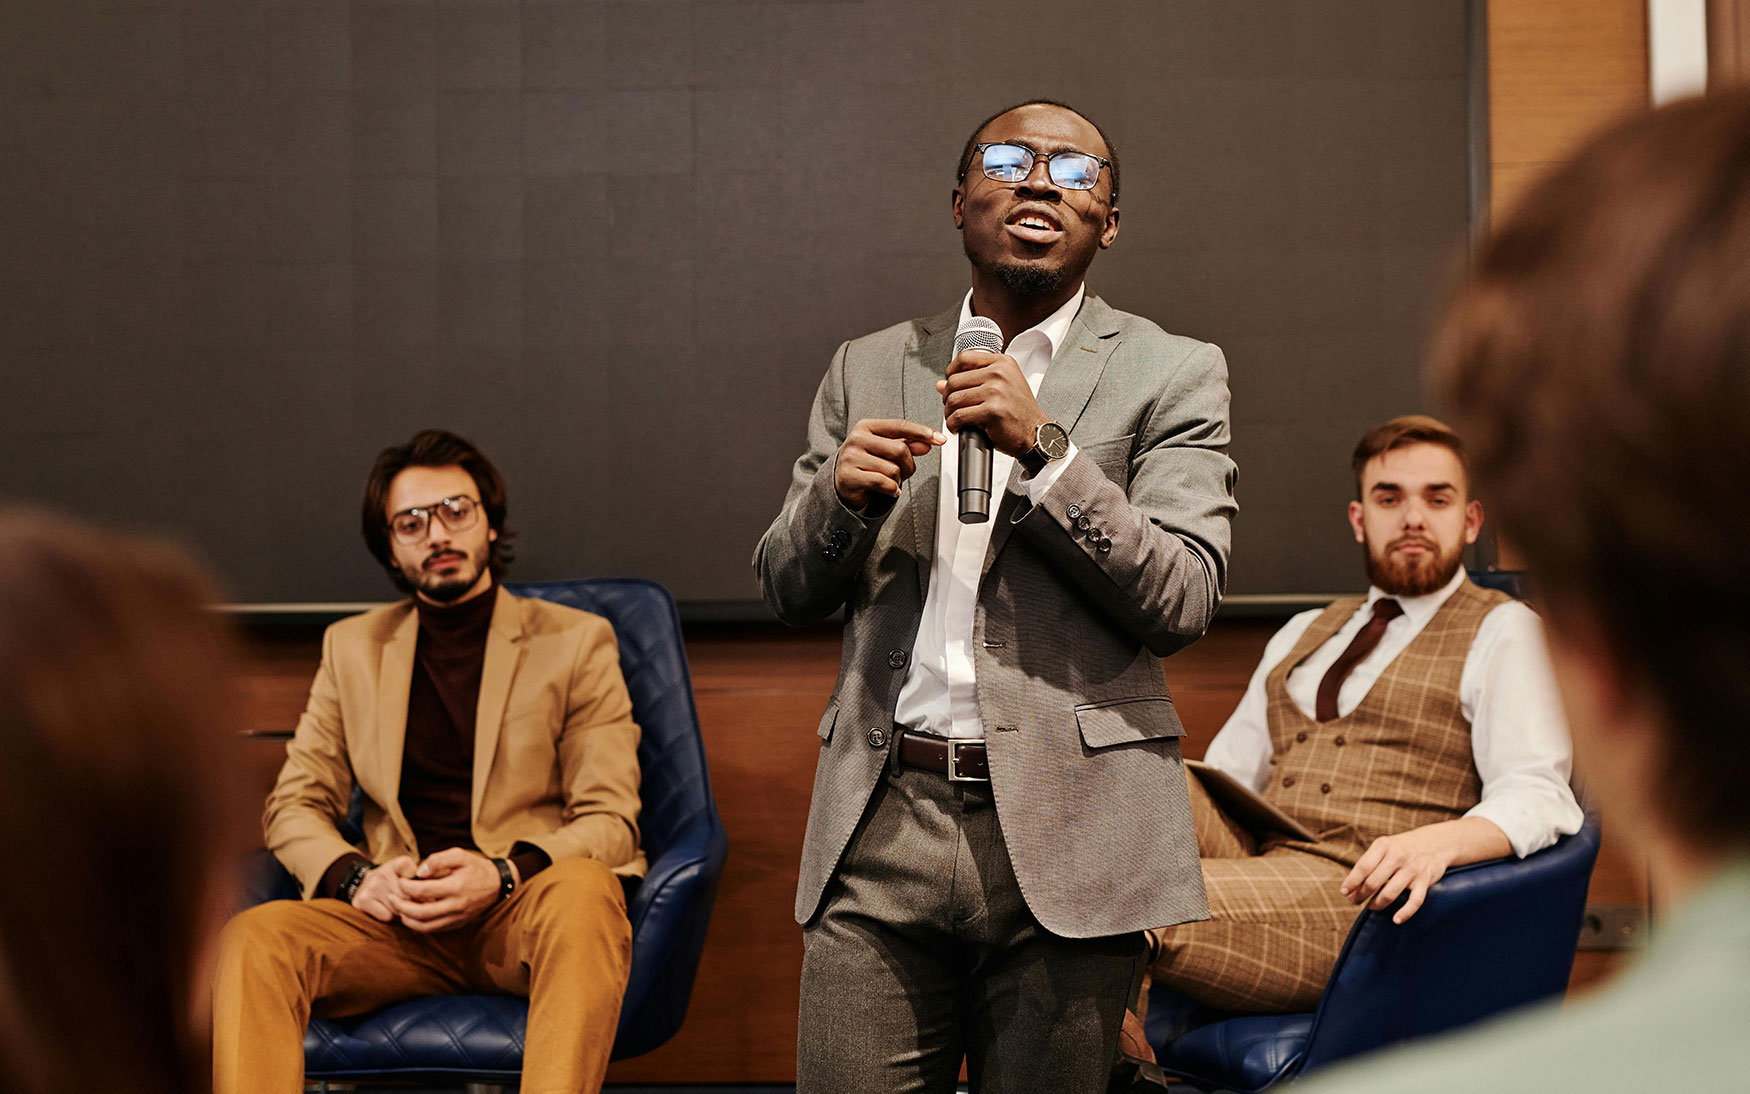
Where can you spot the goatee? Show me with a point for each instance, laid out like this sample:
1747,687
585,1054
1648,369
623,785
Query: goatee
446,591
1027,280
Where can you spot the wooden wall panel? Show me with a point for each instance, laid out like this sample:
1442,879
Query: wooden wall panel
760,692
1728,42
1558,69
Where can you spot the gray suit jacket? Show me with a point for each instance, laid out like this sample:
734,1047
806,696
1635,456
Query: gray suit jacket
1082,735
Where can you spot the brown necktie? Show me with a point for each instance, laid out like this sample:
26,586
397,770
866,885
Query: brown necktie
1385,610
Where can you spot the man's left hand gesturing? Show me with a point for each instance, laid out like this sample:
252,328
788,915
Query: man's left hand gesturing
449,889
987,391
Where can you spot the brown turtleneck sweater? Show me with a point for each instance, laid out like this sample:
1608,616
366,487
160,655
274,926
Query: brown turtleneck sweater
437,757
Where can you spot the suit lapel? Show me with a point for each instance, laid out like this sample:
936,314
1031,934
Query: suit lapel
925,363
394,684
504,652
1064,393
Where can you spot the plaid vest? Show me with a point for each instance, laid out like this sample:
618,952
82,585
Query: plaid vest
1402,758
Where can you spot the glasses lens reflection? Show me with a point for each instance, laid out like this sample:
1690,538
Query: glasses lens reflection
456,514
1012,163
1007,163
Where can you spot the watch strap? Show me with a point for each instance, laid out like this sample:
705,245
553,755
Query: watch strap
351,880
506,879
1035,459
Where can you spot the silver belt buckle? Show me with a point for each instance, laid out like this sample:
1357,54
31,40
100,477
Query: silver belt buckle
954,775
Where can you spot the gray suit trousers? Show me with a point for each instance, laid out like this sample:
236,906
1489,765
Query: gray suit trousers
924,950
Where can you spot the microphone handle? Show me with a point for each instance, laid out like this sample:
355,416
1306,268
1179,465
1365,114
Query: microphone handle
974,476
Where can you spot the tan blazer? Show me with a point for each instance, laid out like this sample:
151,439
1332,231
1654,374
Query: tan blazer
555,746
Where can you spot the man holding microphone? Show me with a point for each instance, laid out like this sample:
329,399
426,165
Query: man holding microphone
999,809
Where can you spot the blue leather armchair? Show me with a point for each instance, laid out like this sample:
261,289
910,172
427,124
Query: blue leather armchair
1491,936
479,1038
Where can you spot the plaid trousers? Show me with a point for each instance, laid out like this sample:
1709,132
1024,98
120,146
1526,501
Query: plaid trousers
1276,921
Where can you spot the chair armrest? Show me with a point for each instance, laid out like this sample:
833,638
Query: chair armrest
670,911
264,879
1491,936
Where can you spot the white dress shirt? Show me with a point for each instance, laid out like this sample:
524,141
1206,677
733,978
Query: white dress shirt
1519,738
940,695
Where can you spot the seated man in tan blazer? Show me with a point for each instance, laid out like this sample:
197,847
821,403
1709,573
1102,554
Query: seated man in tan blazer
493,741
1412,729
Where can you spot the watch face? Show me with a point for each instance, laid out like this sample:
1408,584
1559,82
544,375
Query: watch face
1053,441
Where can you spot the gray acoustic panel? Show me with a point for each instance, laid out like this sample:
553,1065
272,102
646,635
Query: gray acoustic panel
244,245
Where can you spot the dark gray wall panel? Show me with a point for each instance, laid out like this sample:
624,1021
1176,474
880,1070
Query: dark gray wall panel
244,245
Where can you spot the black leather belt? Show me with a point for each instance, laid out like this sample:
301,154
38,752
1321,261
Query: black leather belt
962,760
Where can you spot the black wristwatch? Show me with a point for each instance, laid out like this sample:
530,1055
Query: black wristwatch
506,879
1051,442
350,881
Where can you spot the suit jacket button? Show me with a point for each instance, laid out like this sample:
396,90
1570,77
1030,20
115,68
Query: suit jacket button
1073,511
1083,522
1105,544
1300,736
1288,781
1339,741
896,659
1325,789
877,737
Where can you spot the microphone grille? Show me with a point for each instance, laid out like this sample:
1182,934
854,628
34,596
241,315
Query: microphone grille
978,332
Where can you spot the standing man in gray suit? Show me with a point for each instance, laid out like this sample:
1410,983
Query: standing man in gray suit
1000,809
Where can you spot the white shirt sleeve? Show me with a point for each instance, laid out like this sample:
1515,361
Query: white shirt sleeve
1048,475
1242,748
1519,738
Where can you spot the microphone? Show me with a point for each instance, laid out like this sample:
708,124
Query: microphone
976,333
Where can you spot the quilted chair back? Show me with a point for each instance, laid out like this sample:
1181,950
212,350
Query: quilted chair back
671,755
681,834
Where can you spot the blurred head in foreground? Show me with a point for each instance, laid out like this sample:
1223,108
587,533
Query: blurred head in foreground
1598,362
115,739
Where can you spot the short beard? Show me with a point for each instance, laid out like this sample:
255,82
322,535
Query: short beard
442,590
1026,280
1399,576
448,591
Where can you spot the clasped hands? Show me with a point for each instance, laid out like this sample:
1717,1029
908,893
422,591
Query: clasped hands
448,889
983,391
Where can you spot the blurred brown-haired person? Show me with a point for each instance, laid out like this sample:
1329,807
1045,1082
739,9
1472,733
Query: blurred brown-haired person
119,828
1598,360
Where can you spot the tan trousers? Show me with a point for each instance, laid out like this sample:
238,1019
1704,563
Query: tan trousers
1276,922
562,940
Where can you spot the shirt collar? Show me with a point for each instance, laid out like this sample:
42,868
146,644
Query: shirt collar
1053,328
1418,609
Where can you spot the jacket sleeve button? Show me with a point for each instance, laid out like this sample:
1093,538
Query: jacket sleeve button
1073,511
896,659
